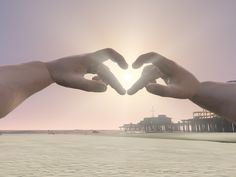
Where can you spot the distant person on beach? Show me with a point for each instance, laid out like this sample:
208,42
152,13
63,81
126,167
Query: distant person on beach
219,98
18,82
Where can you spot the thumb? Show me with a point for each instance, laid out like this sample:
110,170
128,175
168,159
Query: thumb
97,78
158,89
91,85
79,82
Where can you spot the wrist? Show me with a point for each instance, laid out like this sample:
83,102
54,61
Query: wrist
48,66
201,89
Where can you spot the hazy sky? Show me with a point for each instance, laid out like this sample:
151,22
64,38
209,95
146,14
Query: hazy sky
200,35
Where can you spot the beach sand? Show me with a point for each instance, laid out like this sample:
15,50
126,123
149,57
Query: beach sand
214,137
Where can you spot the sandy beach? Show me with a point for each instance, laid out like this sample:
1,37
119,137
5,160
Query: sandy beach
111,154
214,137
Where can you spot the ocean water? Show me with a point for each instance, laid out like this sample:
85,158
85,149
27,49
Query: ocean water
106,156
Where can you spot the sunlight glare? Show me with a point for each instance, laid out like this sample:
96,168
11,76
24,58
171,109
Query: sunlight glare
128,79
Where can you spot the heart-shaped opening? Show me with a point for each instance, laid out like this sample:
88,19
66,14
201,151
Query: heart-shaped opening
126,77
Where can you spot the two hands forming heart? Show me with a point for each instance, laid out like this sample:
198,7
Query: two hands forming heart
18,82
70,72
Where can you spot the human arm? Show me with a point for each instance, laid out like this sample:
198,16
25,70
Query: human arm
18,82
180,83
217,97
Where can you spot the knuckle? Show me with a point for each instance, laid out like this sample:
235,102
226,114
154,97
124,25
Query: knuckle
109,50
152,53
101,68
150,69
91,58
93,65
171,62
147,68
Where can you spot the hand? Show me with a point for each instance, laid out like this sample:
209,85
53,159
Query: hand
180,83
70,71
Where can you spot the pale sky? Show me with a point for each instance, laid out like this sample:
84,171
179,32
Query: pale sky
198,34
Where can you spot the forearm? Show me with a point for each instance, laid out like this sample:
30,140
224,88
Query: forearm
218,98
18,82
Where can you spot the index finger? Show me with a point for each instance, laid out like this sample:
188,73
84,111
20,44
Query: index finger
149,74
106,75
165,65
138,85
108,53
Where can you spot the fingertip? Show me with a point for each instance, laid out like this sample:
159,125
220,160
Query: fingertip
131,92
149,90
96,78
128,92
102,88
122,92
150,87
125,66
157,89
135,65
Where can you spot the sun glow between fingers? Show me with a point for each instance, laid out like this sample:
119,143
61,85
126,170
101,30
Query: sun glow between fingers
127,79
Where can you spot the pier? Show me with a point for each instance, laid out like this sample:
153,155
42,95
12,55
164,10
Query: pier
202,121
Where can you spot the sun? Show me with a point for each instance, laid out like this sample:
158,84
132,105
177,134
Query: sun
128,79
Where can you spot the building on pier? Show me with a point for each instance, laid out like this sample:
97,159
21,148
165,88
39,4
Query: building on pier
205,121
161,123
202,121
